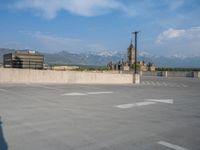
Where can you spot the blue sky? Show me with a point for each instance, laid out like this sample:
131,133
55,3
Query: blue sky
168,27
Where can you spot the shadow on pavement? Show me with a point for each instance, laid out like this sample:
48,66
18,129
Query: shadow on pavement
3,143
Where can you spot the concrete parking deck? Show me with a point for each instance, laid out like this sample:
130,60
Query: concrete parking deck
158,114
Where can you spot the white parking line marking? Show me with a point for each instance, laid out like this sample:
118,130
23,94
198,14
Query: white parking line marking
143,82
148,83
169,145
152,83
165,84
168,101
158,83
162,83
123,106
87,93
3,90
95,93
184,85
74,94
144,103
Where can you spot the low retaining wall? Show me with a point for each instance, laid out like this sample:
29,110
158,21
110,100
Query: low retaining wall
179,74
151,73
171,74
8,75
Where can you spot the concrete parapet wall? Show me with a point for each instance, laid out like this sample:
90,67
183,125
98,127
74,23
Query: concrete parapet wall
196,74
171,74
179,74
48,76
151,73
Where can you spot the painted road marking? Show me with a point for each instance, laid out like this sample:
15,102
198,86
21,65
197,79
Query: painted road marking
145,83
152,83
3,90
158,83
144,103
172,146
148,102
74,94
148,83
166,84
87,93
123,106
168,101
95,93
171,84
184,85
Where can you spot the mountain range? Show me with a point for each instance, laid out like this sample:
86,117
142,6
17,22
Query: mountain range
102,58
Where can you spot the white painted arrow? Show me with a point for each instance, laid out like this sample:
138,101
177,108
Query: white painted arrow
168,101
149,102
172,146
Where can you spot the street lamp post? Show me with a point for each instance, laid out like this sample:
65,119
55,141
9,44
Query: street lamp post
135,33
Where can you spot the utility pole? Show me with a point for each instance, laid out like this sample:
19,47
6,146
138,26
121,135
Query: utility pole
135,33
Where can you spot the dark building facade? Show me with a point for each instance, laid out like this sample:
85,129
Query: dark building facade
26,60
131,54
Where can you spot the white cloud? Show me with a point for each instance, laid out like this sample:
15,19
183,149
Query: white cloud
179,41
49,39
50,8
96,46
172,34
48,42
15,45
175,4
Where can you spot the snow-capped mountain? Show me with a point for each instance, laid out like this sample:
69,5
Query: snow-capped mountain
107,53
171,61
102,58
144,54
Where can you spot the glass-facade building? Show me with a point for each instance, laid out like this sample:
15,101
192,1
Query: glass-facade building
25,60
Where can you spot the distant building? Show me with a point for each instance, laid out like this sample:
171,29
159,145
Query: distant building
131,54
143,66
64,68
23,59
147,67
125,66
153,68
128,65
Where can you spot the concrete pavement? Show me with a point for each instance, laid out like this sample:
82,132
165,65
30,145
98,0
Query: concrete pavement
85,117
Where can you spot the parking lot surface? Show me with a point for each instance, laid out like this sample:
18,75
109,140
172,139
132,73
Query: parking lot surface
158,114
